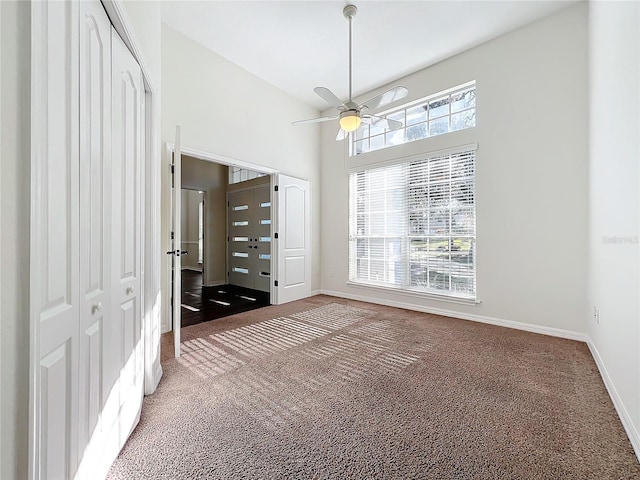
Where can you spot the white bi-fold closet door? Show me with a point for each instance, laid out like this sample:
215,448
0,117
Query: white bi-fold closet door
87,358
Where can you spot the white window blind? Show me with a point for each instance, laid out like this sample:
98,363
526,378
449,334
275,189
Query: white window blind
412,225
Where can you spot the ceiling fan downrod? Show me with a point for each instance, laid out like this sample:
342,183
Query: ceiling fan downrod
349,113
349,12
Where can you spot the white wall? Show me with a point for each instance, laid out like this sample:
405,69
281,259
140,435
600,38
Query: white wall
224,110
614,270
531,176
15,44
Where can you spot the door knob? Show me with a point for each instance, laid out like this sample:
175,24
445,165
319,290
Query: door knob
129,290
96,308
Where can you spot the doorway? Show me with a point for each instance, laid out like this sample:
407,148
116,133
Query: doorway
208,289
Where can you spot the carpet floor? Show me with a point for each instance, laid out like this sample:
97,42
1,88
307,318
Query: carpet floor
327,388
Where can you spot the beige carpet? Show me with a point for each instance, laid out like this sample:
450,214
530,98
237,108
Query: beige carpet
333,389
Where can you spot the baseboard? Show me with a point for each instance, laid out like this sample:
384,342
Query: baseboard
193,269
623,414
215,283
528,327
316,292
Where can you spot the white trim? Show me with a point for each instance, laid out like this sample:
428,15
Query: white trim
409,158
417,294
215,283
214,157
527,327
623,414
120,20
316,292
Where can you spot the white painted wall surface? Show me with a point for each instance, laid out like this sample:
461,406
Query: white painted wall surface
225,110
15,44
614,258
531,176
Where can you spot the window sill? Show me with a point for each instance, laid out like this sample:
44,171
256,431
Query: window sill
411,293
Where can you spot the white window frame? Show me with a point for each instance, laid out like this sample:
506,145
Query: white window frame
389,138
406,236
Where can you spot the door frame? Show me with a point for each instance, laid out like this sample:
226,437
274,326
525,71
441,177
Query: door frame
230,162
150,243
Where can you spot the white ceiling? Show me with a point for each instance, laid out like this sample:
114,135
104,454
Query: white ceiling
298,45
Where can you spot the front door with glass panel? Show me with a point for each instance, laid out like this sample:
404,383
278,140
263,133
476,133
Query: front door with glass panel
249,232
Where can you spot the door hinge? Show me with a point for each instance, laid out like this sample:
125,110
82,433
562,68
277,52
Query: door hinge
275,235
227,204
227,274
276,188
276,283
172,169
173,236
228,239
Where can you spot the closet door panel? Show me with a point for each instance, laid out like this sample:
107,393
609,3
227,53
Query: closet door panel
55,302
126,230
95,200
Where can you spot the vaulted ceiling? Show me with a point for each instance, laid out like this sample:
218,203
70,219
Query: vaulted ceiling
298,45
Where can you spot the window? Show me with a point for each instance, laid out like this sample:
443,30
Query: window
238,174
443,112
412,225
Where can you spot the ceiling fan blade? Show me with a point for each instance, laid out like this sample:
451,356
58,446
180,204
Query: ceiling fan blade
315,120
341,135
382,122
385,98
329,97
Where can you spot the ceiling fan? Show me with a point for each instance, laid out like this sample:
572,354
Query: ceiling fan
351,114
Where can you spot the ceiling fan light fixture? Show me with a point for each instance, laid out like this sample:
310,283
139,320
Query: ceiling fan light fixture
350,120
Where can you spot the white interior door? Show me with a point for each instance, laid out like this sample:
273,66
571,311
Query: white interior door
95,227
86,227
176,213
293,244
54,259
125,353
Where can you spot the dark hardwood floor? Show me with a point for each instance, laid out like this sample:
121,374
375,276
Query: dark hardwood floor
201,304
